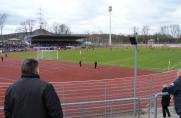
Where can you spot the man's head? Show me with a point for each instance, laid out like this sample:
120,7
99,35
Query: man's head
30,66
179,73
164,86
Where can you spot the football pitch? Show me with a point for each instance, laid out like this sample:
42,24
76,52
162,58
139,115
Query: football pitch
154,59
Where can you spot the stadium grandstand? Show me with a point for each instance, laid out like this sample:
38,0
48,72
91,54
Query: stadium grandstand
61,41
38,38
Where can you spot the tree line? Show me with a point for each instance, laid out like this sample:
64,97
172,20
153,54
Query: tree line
166,34
28,26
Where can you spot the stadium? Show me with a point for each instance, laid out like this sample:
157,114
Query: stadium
103,92
96,74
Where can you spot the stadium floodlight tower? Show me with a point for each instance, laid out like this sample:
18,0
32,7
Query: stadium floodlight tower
110,10
134,42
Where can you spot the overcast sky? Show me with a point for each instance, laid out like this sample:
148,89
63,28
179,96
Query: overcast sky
92,15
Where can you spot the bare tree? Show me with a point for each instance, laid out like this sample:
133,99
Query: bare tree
3,18
26,26
55,28
30,23
179,36
135,30
164,30
23,28
64,29
174,30
61,29
145,33
145,30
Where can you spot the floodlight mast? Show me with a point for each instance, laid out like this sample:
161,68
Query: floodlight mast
134,42
40,18
110,10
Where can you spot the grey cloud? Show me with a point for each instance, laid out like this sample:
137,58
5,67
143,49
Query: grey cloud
92,15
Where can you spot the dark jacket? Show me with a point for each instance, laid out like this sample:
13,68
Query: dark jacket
175,89
166,98
31,97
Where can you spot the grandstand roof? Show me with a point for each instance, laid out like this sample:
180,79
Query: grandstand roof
41,32
14,39
55,37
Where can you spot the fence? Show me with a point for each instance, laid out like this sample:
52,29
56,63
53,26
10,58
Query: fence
156,102
104,108
105,90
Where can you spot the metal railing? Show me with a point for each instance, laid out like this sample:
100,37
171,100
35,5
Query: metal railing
94,108
108,89
156,101
82,110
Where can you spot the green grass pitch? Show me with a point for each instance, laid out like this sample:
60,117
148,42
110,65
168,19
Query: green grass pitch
155,59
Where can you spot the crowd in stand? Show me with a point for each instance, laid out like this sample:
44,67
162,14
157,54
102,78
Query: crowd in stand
12,47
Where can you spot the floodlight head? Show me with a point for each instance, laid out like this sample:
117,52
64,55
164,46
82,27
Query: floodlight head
110,8
133,40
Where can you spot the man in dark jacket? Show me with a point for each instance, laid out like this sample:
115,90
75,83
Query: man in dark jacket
95,64
175,89
80,63
31,97
2,58
165,102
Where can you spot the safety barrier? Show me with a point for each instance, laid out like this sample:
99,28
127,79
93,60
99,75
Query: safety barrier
156,101
106,108
84,112
105,90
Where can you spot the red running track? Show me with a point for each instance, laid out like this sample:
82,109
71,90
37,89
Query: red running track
57,71
88,84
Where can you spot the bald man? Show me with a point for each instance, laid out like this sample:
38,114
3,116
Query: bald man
175,90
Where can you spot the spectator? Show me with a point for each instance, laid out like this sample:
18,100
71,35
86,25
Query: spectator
95,64
175,89
31,97
2,58
165,102
80,63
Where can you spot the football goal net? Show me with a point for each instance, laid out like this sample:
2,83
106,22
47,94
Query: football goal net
48,54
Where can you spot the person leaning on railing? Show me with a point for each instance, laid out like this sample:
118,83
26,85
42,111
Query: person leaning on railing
31,97
175,90
165,102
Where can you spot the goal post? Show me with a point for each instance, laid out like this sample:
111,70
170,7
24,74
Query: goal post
47,54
